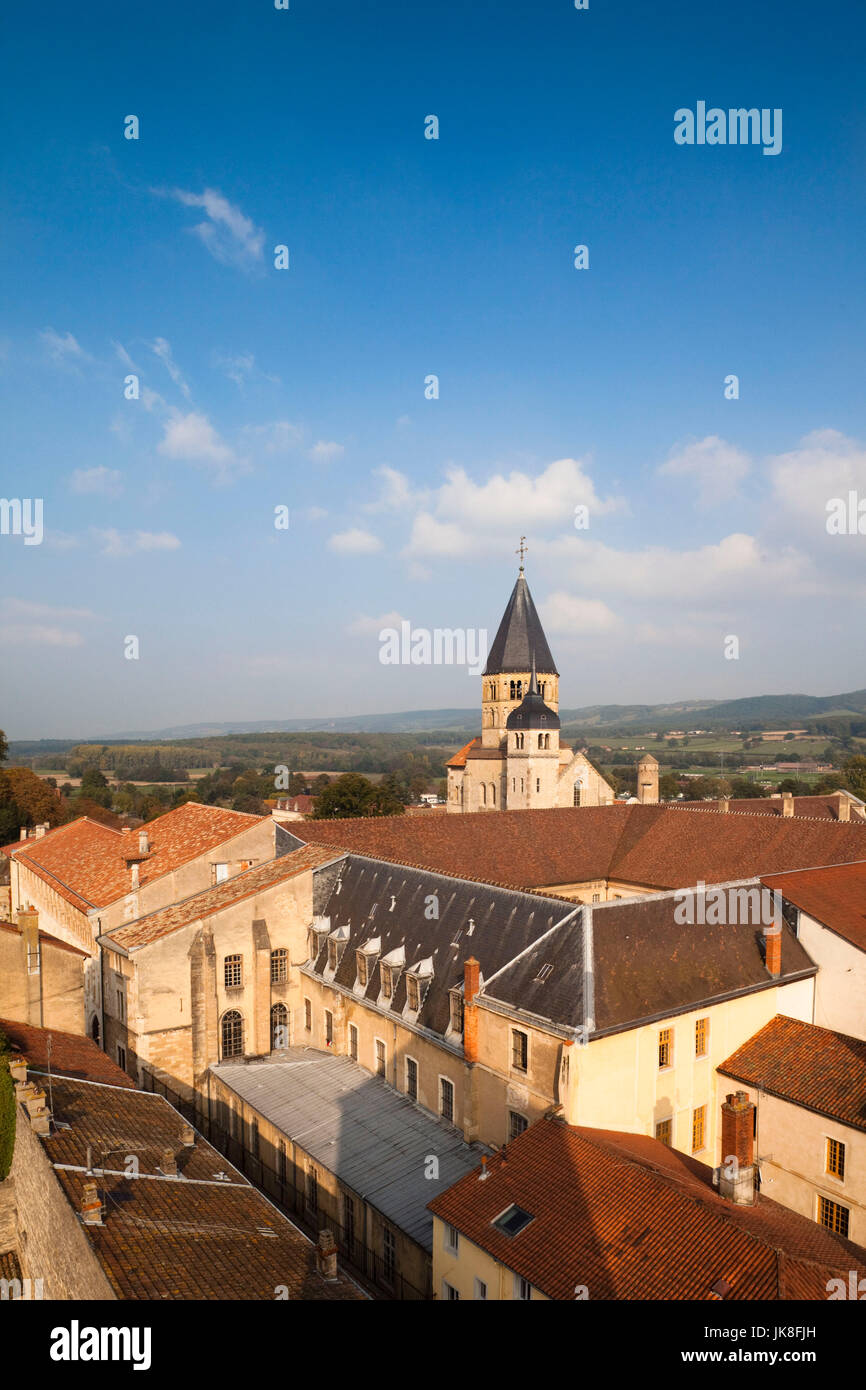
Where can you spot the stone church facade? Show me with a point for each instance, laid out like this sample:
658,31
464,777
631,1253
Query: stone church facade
519,763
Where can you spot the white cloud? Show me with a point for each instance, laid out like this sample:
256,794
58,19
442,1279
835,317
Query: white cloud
192,437
106,482
364,626
37,635
27,608
314,513
63,349
354,542
716,467
826,464
326,451
396,492
162,349
562,612
230,236
432,537
115,543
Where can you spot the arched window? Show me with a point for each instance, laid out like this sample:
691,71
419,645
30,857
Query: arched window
279,1028
492,794
232,1034
512,689
483,795
94,1029
577,793
520,690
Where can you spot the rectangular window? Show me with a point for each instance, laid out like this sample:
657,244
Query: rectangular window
329,1028
836,1158
516,1124
702,1033
308,1015
220,873
449,1292
699,1118
233,972
33,960
480,1290
664,1133
452,1239
312,1189
446,1099
519,1049
411,1078
254,1138
120,1005
279,966
121,1057
380,1057
833,1216
522,1288
353,1042
666,1047
456,1011
389,1253
596,897
361,960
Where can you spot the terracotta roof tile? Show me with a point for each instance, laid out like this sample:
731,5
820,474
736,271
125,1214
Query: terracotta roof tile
835,897
806,1065
84,860
169,919
71,1054
631,1219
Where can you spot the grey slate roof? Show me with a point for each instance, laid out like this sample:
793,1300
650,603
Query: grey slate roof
375,1140
519,636
376,899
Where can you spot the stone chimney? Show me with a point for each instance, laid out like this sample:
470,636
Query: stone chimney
42,829
773,949
787,803
844,808
724,805
737,1173
18,1069
187,1136
168,1164
326,1256
471,982
36,1104
143,842
91,1206
134,882
23,834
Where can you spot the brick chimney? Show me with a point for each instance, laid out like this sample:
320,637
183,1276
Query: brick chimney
91,1206
787,803
471,982
168,1164
773,949
737,1172
326,1255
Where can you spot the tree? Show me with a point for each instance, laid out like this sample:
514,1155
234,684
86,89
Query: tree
669,787
354,795
7,1110
855,774
4,747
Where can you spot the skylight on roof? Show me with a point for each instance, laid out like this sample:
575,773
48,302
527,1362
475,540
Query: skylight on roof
544,974
512,1221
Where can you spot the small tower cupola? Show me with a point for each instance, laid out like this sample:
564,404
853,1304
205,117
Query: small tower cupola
532,712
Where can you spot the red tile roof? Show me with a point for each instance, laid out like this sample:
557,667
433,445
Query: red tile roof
806,1065
84,861
459,759
653,846
835,897
144,930
811,807
629,1218
71,1054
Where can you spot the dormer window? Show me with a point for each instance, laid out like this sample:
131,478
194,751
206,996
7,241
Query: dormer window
317,936
390,969
336,946
417,983
455,998
365,962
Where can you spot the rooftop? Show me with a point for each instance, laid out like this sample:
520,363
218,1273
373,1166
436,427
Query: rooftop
806,1065
71,1054
835,897
156,925
373,1138
655,847
520,637
84,861
628,1218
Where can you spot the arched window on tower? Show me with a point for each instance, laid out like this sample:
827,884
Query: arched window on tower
577,793
512,687
492,794
483,794
520,690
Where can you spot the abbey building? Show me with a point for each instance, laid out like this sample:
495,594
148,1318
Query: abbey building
519,763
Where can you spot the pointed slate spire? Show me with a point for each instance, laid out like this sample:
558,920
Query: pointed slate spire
519,636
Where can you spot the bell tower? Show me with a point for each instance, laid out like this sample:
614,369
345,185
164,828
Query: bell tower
508,673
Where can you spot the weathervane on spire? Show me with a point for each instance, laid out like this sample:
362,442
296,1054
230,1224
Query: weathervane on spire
521,551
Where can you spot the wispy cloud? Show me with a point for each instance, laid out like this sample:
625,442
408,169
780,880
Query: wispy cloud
116,543
276,437
162,349
105,482
30,624
63,349
229,235
714,466
364,626
354,542
325,451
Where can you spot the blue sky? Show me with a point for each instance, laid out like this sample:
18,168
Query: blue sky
408,257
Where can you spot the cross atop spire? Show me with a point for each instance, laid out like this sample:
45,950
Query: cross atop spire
521,551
